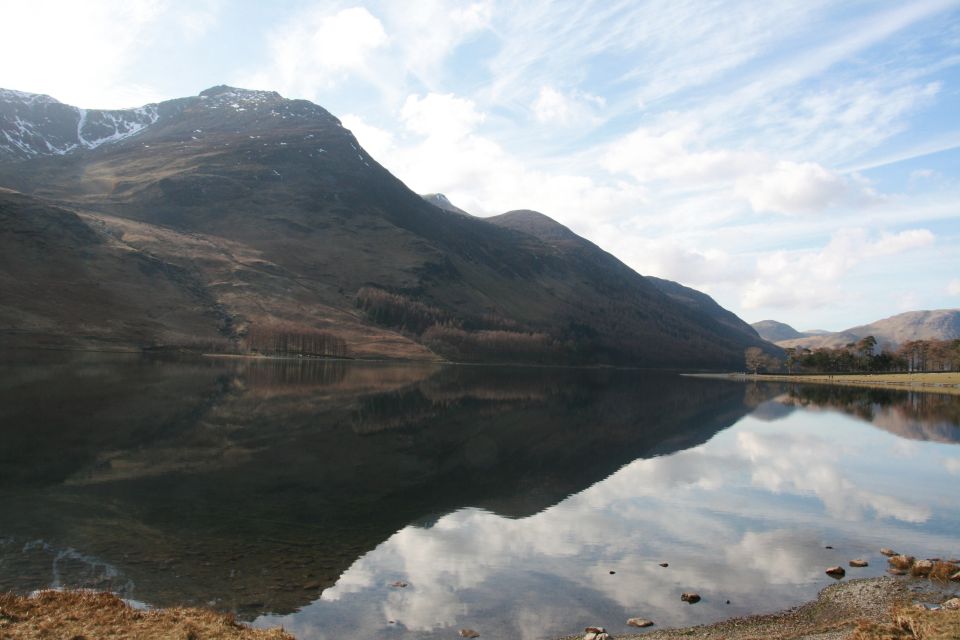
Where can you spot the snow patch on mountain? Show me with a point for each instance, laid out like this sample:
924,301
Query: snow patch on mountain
35,125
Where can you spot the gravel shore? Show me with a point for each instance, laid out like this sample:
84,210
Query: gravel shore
834,615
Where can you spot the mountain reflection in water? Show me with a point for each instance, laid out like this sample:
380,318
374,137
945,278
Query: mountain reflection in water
498,494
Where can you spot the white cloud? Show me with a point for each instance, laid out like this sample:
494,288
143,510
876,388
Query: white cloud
78,51
813,278
650,155
378,142
426,32
441,116
319,49
677,157
791,187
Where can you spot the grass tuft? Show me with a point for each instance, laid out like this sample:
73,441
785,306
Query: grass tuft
911,623
86,614
901,562
943,570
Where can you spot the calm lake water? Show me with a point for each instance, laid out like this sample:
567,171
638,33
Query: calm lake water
523,503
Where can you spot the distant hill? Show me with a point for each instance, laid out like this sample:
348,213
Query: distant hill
210,218
938,324
774,331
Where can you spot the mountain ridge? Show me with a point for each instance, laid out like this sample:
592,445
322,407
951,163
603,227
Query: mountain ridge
279,216
890,332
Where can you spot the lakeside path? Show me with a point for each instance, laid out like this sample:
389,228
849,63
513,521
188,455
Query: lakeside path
864,609
946,382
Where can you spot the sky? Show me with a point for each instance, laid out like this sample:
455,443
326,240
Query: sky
798,161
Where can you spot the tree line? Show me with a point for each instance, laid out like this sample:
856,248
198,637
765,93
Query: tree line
482,337
285,338
862,356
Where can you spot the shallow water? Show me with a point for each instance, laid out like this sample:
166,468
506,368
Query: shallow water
518,502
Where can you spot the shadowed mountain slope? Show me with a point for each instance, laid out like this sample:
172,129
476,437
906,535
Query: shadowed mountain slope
278,215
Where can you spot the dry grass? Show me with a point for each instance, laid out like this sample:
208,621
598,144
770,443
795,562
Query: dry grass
85,615
946,382
943,570
913,624
901,562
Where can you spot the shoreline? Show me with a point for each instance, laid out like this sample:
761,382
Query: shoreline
856,609
946,382
879,608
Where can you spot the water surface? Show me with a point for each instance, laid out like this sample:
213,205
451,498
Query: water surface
519,502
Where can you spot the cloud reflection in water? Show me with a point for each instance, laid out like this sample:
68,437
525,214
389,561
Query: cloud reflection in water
743,517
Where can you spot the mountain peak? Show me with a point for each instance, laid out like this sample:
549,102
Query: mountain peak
441,201
535,224
226,91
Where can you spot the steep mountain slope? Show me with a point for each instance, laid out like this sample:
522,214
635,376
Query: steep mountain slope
697,308
279,216
938,324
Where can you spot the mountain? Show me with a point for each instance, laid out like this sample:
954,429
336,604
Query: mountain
938,324
255,215
36,125
774,331
441,201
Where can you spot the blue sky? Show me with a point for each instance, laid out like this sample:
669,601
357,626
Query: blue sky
796,160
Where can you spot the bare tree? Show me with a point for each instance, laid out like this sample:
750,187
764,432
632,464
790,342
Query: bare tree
755,359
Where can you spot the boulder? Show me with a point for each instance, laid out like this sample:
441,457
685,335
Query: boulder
664,564
639,622
690,596
859,563
469,633
400,584
888,552
956,576
836,572
952,603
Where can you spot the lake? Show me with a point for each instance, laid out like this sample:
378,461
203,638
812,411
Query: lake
409,501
